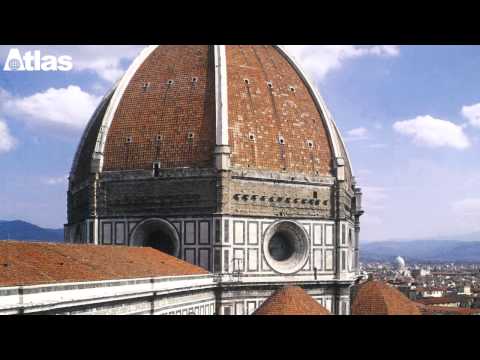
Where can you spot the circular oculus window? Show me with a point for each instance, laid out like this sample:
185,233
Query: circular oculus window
285,247
158,234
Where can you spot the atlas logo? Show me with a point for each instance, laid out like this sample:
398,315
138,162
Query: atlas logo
34,61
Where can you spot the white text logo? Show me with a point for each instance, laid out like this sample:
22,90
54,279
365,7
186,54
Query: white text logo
34,61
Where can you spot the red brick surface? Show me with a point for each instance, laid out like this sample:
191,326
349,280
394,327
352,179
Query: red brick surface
378,298
291,300
173,111
268,113
23,263
169,111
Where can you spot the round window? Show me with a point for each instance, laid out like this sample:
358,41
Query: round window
158,234
281,247
162,241
285,247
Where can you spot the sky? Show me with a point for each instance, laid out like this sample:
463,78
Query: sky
410,116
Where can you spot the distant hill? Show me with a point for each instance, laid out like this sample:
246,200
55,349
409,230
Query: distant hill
24,231
464,248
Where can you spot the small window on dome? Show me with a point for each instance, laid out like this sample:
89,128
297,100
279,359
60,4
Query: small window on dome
269,84
292,88
190,137
247,81
146,86
194,79
170,82
310,144
128,140
251,137
281,140
158,139
156,168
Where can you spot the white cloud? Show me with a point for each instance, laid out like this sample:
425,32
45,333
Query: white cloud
68,107
318,60
55,180
472,113
103,60
357,134
7,141
432,132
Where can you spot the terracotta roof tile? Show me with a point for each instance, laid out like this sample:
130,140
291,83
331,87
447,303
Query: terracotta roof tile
446,310
169,110
291,300
439,300
162,105
23,263
378,298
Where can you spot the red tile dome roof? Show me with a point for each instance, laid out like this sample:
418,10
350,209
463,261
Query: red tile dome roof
164,110
378,298
291,300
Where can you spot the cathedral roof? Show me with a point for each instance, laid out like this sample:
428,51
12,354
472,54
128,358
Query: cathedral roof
451,299
446,310
23,263
378,298
291,300
171,105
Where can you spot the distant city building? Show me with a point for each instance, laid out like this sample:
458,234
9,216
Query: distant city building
464,289
401,269
419,272
423,292
453,301
440,289
399,263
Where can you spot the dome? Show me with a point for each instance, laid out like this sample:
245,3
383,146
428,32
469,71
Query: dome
227,157
178,106
399,263
291,300
377,298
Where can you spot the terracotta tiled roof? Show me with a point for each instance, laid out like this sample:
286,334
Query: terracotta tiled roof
291,300
439,300
447,310
23,263
171,96
378,298
172,107
262,110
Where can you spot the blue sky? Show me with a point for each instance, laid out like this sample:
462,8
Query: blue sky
410,116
